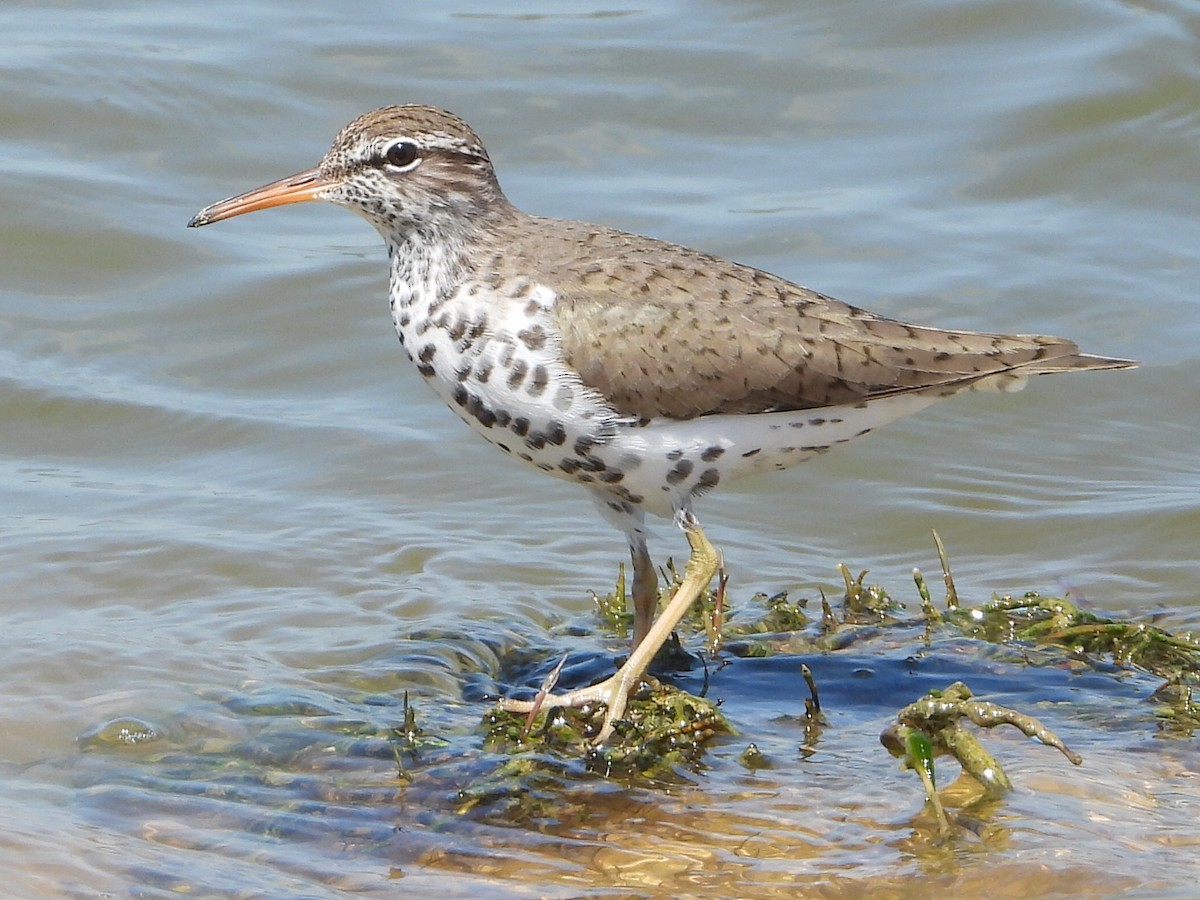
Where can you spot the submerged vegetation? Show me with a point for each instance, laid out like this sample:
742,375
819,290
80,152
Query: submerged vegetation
667,727
785,698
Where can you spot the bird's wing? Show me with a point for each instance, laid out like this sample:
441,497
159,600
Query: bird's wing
664,331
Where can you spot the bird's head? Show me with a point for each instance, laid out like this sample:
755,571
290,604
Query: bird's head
406,169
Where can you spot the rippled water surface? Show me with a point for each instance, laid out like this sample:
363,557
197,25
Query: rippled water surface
229,509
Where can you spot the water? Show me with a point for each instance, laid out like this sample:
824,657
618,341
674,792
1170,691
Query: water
219,477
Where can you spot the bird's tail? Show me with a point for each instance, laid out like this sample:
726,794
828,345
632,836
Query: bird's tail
1014,379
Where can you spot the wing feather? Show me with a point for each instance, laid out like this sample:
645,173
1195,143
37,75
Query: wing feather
661,330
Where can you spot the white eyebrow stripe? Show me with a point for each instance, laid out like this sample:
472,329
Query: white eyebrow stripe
427,141
440,140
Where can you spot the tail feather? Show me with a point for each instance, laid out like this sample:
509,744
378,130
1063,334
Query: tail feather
1014,378
1077,361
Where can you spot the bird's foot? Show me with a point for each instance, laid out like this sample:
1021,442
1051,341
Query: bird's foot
614,691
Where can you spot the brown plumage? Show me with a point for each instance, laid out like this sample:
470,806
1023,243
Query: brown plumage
663,330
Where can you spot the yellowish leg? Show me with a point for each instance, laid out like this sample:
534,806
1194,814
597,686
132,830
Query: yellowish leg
614,691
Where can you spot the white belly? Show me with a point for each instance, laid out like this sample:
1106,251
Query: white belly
667,462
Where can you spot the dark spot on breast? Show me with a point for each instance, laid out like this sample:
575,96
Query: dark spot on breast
593,464
750,453
554,433
708,479
428,352
533,337
674,455
483,371
570,466
541,380
457,330
612,477
682,470
503,418
519,370
816,422
504,447
460,395
713,452
584,445
476,407
486,417
520,426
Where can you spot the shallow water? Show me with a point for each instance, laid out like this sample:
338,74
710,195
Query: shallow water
219,478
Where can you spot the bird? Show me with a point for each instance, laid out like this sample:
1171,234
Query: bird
646,372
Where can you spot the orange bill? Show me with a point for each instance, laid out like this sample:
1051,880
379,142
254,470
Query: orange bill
296,188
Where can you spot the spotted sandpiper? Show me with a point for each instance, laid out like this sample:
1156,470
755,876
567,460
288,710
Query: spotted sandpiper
647,372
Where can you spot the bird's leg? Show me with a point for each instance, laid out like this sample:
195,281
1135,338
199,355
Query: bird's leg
645,589
614,691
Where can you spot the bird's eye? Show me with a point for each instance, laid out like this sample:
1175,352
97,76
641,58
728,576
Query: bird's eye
401,154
